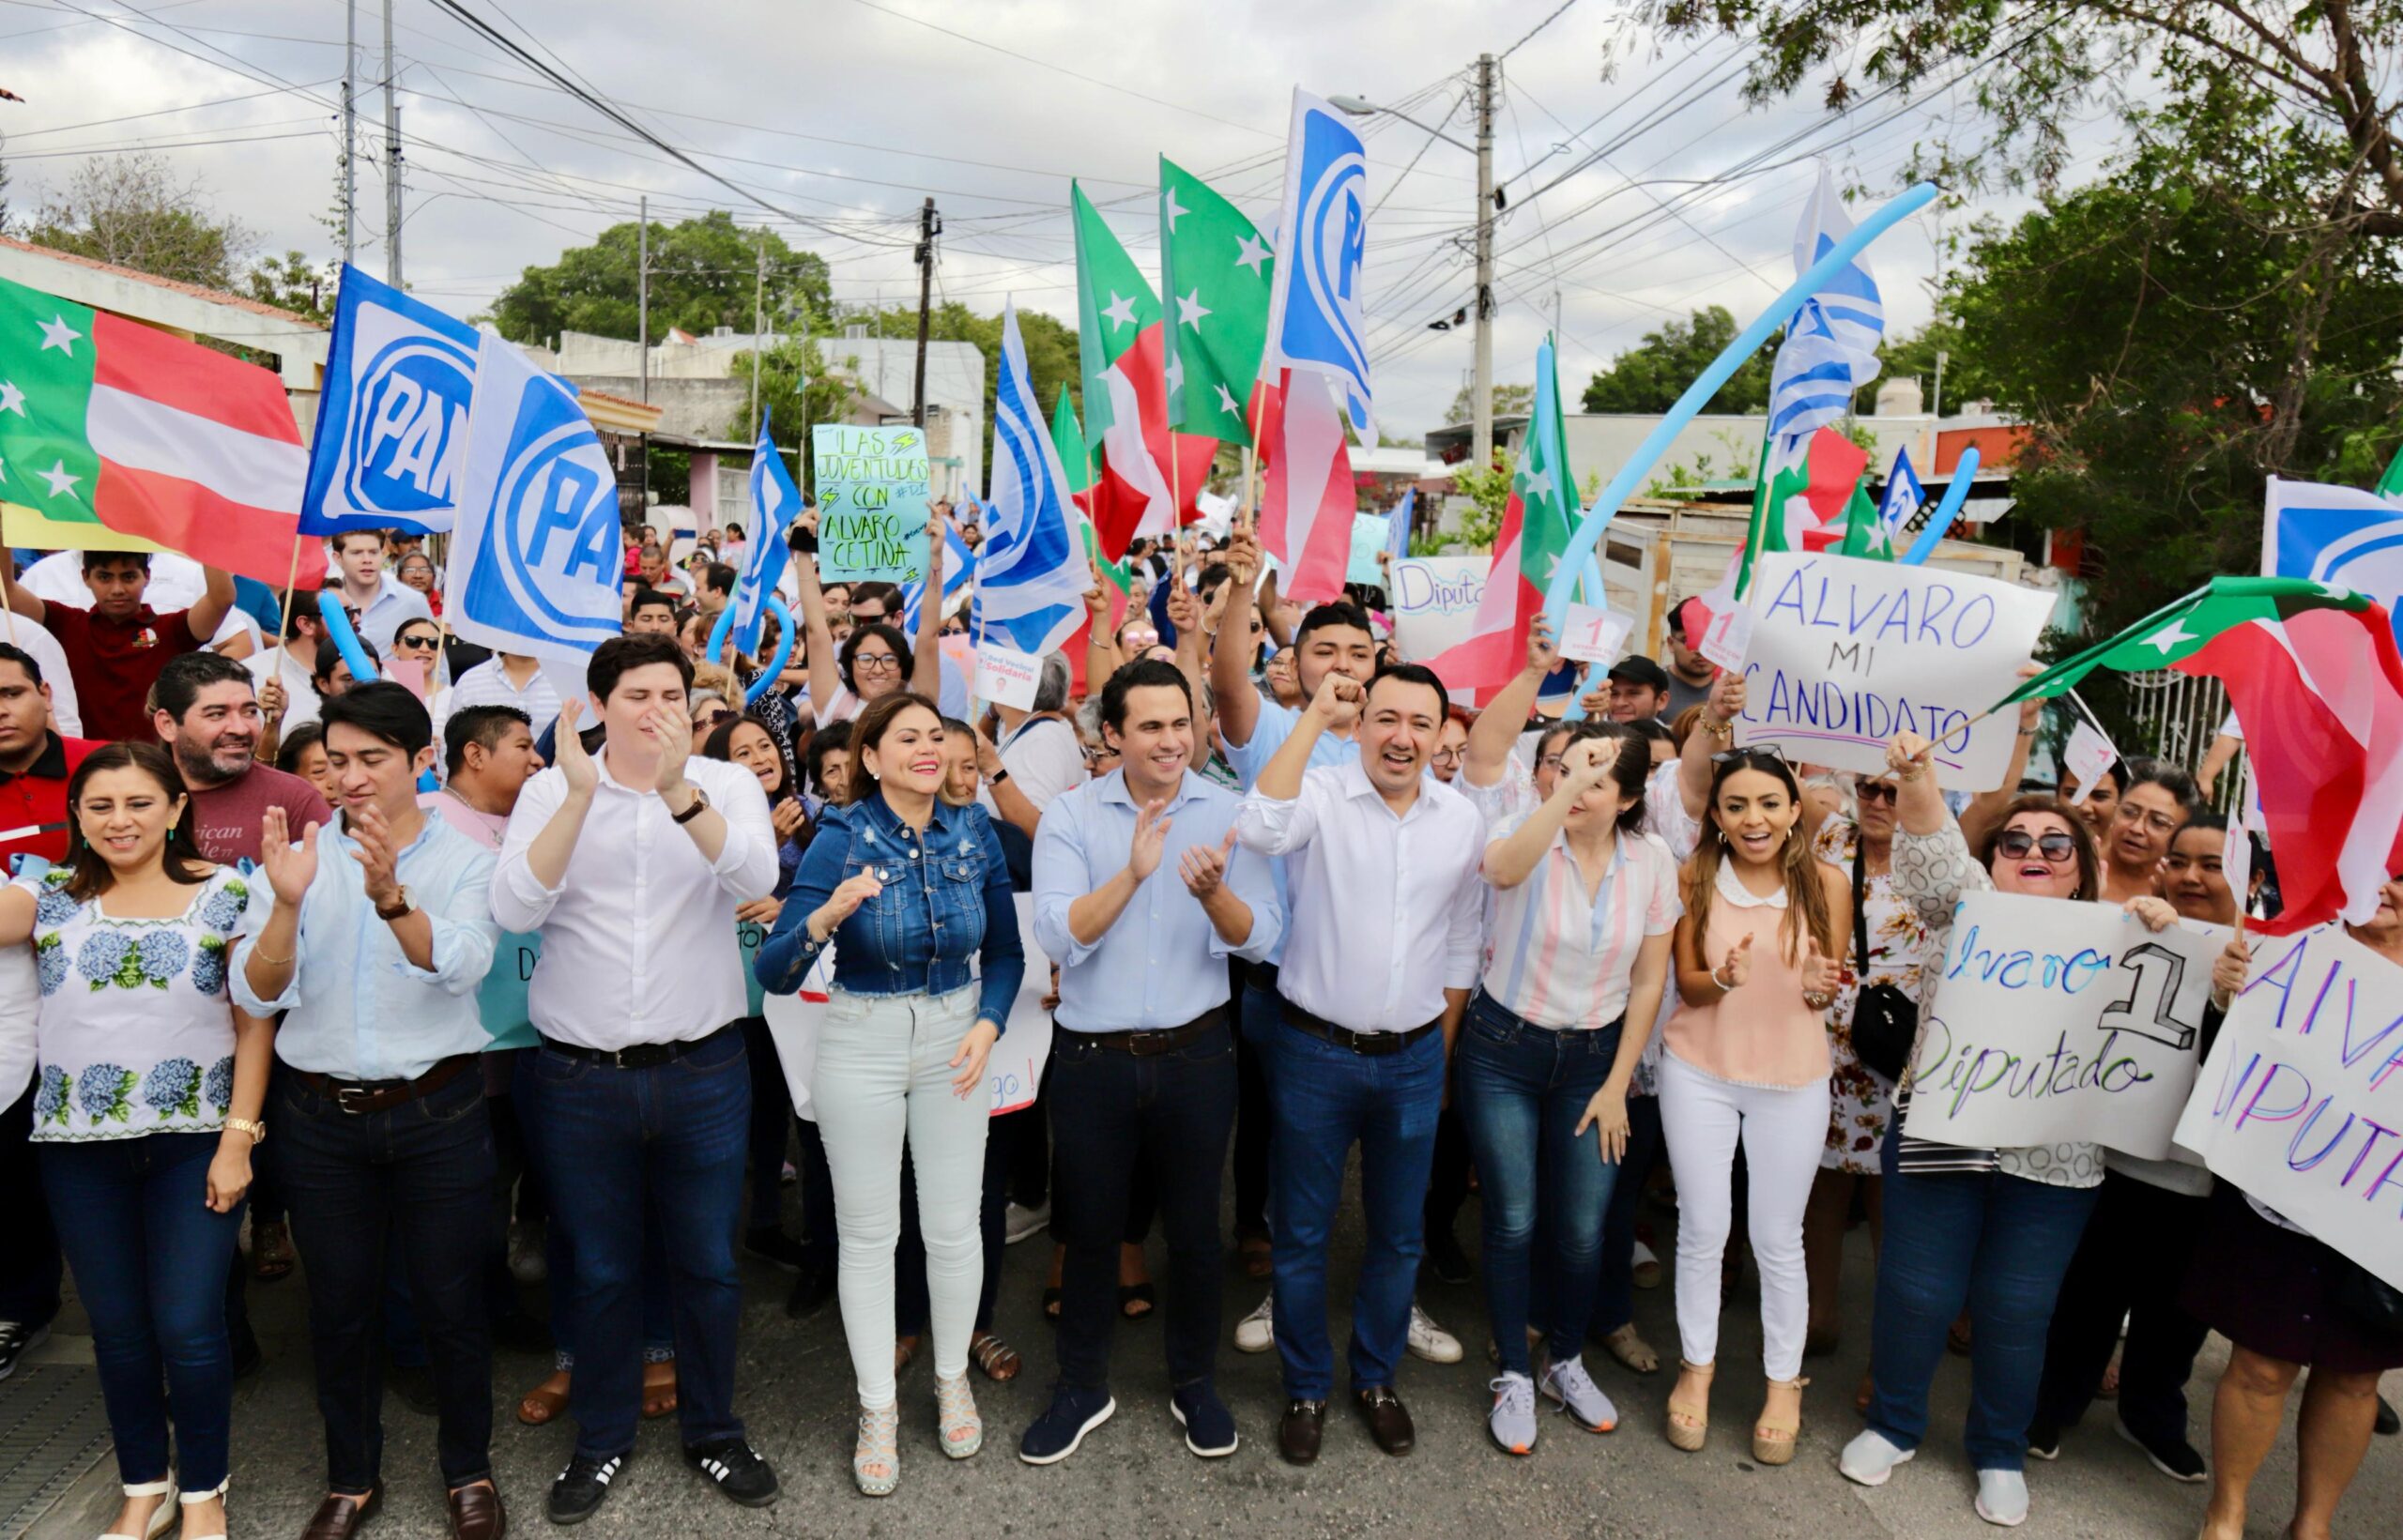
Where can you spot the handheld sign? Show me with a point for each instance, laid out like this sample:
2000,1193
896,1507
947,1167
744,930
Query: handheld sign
871,502
1368,534
1593,635
2302,1095
2056,1020
2087,756
1728,637
1847,652
1434,601
1007,675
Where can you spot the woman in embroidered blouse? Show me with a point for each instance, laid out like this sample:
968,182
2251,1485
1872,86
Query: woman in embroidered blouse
1584,905
913,888
150,1087
1747,1057
2007,1219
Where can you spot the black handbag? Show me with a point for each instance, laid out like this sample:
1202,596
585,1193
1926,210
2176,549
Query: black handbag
1885,1021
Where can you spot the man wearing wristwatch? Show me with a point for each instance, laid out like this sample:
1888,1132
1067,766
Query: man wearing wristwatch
630,863
371,938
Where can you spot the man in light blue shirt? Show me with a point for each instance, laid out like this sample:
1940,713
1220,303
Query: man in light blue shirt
372,936
1143,1063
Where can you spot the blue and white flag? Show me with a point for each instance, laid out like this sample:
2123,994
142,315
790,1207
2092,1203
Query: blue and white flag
537,549
775,502
958,571
2339,536
1904,497
392,423
1031,572
1314,310
1849,307
1831,346
1398,526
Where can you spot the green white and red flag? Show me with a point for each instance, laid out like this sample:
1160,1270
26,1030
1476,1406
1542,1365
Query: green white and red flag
1802,494
1214,272
1117,576
2313,674
118,425
2391,484
1535,525
1860,530
1138,489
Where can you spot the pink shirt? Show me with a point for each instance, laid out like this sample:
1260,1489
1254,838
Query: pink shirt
1760,1033
1561,960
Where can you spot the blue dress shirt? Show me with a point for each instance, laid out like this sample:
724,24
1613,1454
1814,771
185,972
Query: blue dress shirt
1161,962
356,1008
946,898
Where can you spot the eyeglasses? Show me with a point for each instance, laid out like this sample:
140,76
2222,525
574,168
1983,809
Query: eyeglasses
2055,848
1553,762
427,643
1877,791
875,662
1452,757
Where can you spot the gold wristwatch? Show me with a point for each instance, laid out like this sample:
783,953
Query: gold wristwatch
255,1128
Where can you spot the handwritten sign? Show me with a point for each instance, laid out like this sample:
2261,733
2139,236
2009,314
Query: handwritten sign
1847,652
2055,1021
1007,675
1434,601
1368,533
1590,633
2301,1103
871,502
1728,636
500,1000
2087,756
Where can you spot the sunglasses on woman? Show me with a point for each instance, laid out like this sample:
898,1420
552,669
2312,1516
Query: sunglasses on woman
1877,791
2055,848
419,643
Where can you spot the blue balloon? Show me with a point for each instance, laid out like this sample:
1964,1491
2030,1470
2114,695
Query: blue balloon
1941,520
337,623
767,677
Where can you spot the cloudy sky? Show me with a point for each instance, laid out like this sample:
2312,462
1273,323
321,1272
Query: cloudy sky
1640,184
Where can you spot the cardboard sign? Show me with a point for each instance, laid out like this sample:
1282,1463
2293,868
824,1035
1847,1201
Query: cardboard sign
1593,635
1007,675
2086,756
1368,535
1728,637
1847,652
2302,1100
2055,1020
1434,601
871,502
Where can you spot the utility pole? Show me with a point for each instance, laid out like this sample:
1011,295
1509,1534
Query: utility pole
642,290
391,158
759,323
929,227
1481,399
350,133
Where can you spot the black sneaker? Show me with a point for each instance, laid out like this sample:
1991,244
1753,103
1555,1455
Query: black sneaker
737,1469
1445,1259
769,1244
2387,1426
2044,1438
2173,1458
581,1488
15,1337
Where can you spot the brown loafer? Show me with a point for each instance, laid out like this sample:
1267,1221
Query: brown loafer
1299,1435
476,1512
1388,1419
340,1516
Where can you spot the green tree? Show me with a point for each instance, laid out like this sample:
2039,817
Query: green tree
704,273
1652,374
131,210
1509,401
290,283
1051,347
830,397
1914,357
1489,495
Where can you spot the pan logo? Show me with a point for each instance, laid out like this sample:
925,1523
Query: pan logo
411,443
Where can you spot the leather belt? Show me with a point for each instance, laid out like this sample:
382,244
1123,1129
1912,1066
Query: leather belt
641,1056
361,1096
1151,1045
1368,1044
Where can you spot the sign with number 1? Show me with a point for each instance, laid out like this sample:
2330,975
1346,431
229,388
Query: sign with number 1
1592,635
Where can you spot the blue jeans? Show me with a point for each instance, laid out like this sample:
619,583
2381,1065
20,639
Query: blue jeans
2000,1244
1325,1098
1522,1089
658,1321
150,1261
1615,1292
662,1145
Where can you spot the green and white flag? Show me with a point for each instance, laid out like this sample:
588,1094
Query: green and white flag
1215,269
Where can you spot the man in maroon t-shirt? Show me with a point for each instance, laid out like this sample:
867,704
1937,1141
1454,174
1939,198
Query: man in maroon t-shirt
118,647
34,764
208,717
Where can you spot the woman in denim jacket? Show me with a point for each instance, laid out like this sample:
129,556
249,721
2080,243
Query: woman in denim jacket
912,888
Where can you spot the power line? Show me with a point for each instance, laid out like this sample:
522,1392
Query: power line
1555,15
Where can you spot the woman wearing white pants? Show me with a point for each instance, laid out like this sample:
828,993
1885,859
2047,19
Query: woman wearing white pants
1747,1057
913,889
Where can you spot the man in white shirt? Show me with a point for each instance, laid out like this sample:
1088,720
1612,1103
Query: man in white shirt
1382,937
283,674
505,679
631,866
1039,747
382,601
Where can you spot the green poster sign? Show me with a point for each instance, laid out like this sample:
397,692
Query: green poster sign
871,502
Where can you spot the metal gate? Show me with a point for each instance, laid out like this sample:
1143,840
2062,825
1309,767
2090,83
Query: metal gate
2180,714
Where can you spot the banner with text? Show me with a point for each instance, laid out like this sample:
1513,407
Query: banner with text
1847,652
2056,1020
871,502
2300,1103
1434,601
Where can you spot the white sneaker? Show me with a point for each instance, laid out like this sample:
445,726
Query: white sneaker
1257,1333
1870,1457
2002,1498
1428,1340
1021,1221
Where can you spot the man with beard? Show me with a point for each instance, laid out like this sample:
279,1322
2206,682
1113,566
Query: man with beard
207,714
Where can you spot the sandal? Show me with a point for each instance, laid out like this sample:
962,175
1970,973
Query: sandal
962,1430
1132,1295
1688,1422
270,1251
1632,1350
905,1353
1051,1305
2108,1388
165,1516
659,1388
1773,1436
998,1359
544,1402
876,1463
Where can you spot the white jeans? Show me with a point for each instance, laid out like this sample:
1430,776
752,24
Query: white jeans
884,1072
1784,1129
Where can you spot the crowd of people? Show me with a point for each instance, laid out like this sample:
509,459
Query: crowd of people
491,964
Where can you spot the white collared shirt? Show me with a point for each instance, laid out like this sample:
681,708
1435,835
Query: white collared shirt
1385,913
487,684
395,604
638,938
